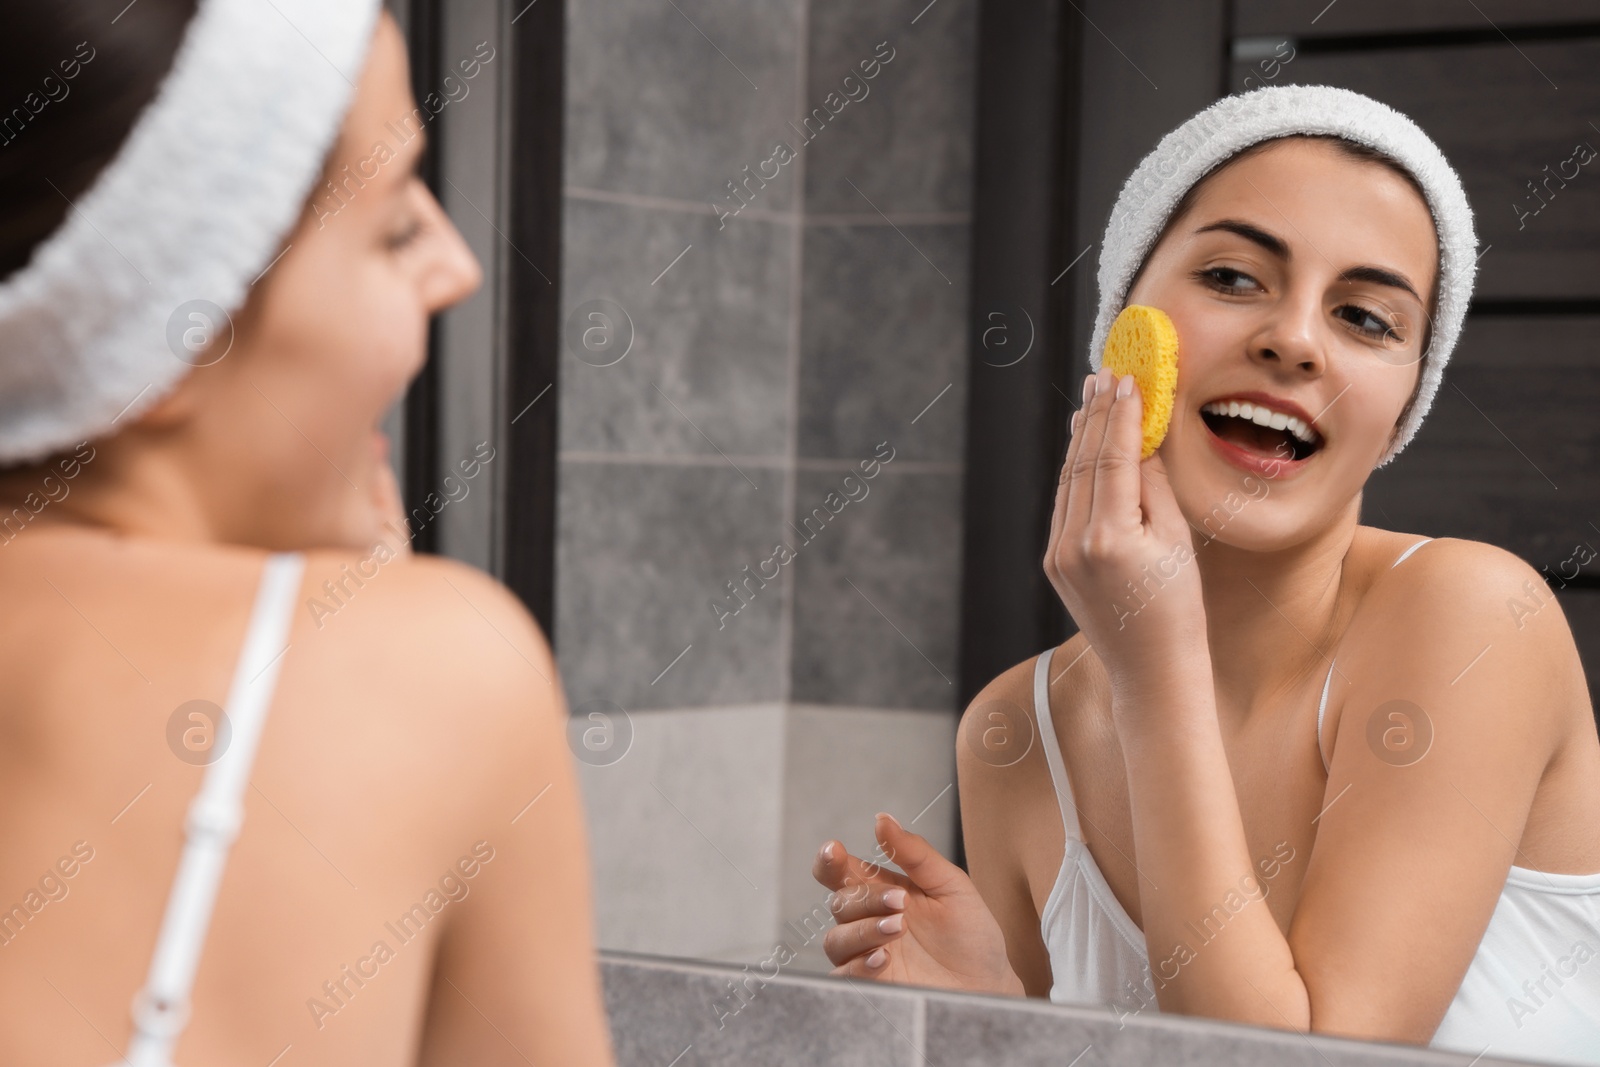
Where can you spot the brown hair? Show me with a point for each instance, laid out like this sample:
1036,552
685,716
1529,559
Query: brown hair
73,80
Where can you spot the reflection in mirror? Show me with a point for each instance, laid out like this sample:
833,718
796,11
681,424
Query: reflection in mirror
764,356
1228,729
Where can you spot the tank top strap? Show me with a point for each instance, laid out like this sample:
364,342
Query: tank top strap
1401,558
161,1008
1052,750
1323,706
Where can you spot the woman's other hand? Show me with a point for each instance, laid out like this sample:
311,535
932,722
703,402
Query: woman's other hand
1120,554
927,927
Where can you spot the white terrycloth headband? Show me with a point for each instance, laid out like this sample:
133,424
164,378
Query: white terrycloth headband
1234,123
193,206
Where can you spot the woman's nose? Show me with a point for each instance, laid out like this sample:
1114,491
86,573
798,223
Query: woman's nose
454,272
1291,335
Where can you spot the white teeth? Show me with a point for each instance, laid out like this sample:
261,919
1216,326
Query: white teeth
1263,416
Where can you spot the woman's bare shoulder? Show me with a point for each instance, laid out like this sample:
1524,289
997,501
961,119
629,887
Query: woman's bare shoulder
1484,582
171,602
437,675
1474,598
999,729
416,701
428,589
444,632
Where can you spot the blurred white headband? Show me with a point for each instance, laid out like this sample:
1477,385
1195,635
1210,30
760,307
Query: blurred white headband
1234,123
193,207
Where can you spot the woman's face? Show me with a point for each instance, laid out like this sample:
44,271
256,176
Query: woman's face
282,431
1302,275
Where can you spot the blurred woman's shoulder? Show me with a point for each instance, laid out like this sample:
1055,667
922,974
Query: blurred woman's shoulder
425,606
428,647
436,650
414,732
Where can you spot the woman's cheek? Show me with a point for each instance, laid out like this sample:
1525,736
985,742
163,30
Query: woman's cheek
400,330
382,340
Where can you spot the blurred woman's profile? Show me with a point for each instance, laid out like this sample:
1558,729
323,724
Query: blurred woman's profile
265,774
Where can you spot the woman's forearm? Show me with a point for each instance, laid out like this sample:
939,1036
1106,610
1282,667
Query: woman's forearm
1215,950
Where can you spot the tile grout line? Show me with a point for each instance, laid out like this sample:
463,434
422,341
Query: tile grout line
786,624
769,462
782,218
791,478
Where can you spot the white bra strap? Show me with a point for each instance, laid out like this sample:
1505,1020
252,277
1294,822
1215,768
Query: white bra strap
1052,751
1408,552
1322,707
162,1008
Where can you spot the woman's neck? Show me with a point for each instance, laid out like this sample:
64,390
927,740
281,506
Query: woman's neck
108,487
1273,617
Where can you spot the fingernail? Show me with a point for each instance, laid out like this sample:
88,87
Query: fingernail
1125,386
827,852
895,898
1076,418
1104,379
891,925
877,959
834,902
1088,388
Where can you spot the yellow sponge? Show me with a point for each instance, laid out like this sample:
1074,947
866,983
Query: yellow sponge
1144,343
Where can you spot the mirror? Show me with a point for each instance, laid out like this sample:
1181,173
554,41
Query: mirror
822,267
765,274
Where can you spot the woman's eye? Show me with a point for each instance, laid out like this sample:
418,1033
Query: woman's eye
1224,279
398,240
1367,322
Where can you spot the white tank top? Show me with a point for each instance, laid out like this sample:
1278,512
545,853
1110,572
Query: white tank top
1532,990
161,1009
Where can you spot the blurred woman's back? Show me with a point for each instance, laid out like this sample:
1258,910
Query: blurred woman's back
405,736
410,880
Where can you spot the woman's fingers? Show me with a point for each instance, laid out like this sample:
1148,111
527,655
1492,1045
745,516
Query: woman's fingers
1116,472
835,868
928,870
846,941
870,965
1086,469
864,900
1058,514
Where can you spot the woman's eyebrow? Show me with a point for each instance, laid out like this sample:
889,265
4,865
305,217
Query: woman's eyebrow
1271,242
1274,244
1381,277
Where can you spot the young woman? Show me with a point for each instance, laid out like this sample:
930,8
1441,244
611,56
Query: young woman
409,881
1292,771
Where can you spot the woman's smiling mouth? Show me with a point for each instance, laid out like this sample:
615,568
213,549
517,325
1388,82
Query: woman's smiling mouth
1260,437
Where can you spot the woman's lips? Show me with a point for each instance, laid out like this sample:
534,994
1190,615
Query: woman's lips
1274,467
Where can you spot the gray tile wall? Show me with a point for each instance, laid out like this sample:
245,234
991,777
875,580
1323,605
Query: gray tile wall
669,1012
770,340
766,354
